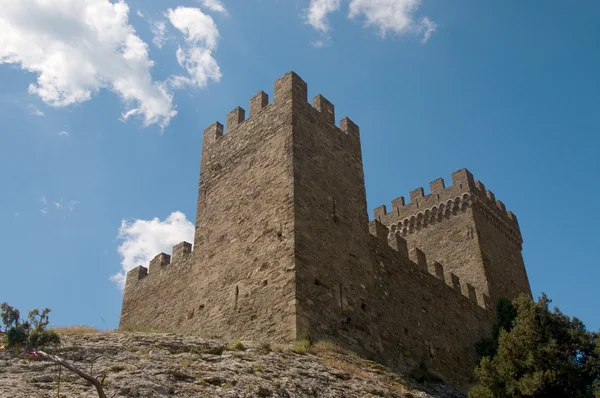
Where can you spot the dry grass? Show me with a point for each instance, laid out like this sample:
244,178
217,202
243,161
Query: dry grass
325,346
348,367
301,346
81,329
144,329
235,345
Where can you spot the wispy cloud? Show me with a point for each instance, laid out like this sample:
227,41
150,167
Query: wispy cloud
317,12
395,17
426,27
200,34
64,133
66,205
35,111
16,214
216,6
60,205
159,30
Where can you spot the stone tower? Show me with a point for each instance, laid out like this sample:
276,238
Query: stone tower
284,248
481,245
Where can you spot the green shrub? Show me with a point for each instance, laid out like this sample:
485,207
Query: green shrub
543,354
27,334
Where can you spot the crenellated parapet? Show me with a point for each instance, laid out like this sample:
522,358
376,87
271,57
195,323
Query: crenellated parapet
443,202
162,263
418,260
289,91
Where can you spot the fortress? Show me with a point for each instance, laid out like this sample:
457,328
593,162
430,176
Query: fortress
284,248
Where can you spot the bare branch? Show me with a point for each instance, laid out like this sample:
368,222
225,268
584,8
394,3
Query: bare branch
42,355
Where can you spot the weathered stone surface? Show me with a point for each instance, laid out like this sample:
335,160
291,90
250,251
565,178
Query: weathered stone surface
170,365
284,249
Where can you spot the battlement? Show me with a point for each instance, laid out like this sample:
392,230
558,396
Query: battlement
418,260
160,263
443,202
288,90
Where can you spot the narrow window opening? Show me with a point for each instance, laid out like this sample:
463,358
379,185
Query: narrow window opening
341,297
237,294
335,217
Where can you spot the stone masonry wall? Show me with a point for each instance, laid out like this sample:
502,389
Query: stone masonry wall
240,282
354,288
465,228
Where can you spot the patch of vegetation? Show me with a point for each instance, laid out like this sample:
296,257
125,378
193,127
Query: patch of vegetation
24,335
325,346
144,329
301,346
236,345
76,330
257,368
542,354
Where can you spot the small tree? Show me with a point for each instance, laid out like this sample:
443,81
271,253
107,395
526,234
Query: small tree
32,335
544,353
28,334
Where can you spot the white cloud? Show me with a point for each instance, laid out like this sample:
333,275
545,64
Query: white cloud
215,5
201,35
66,205
316,15
144,239
201,66
427,27
43,199
139,14
76,48
34,110
387,16
64,133
159,30
197,27
44,211
324,42
395,16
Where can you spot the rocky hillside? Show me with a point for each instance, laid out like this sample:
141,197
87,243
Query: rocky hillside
170,365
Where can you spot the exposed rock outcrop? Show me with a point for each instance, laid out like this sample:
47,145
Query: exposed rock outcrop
170,365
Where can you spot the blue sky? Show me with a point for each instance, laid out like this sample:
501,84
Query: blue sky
95,158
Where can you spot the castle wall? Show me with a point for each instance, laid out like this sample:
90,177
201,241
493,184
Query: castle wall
502,259
284,249
465,228
156,299
421,317
241,281
353,288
